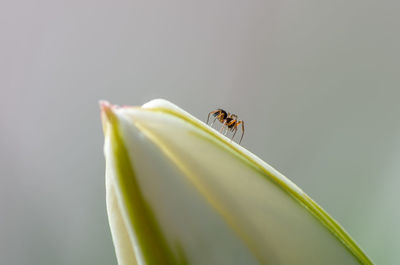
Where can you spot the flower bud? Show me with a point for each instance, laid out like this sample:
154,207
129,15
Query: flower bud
179,192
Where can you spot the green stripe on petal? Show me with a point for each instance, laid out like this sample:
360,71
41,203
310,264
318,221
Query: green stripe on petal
151,245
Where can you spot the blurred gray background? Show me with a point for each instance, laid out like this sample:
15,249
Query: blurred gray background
317,83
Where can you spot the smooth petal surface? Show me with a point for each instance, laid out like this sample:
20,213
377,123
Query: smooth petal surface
178,192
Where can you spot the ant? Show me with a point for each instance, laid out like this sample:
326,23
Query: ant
229,121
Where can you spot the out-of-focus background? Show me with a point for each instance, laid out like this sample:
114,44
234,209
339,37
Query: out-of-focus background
317,83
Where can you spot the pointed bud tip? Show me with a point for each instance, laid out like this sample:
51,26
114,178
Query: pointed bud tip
107,114
106,109
104,104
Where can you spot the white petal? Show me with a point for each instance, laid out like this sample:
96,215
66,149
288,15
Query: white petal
214,202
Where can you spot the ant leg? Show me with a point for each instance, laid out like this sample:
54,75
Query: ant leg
242,122
213,122
212,112
234,133
222,127
226,130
